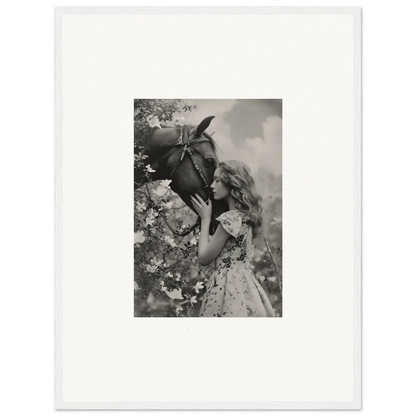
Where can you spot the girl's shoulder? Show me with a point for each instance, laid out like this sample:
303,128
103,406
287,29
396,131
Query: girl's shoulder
232,221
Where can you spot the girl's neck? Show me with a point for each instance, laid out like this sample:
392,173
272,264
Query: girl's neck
231,202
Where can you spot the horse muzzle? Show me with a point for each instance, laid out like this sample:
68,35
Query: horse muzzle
210,194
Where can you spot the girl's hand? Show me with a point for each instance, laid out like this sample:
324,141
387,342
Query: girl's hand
203,210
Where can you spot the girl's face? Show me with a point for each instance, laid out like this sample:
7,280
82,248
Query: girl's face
220,191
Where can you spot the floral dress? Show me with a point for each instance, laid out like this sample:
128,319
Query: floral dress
232,289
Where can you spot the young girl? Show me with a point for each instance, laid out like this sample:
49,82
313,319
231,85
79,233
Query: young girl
232,289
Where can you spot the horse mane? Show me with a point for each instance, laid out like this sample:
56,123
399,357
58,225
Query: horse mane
212,142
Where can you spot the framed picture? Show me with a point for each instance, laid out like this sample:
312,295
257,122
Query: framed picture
208,165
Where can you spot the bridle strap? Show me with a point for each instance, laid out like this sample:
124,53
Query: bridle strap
184,141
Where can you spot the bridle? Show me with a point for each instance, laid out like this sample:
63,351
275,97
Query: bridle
184,141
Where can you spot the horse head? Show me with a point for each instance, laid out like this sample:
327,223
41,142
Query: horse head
188,157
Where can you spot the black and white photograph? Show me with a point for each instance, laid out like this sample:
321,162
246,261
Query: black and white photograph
208,208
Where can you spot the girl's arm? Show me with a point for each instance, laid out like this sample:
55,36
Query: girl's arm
208,251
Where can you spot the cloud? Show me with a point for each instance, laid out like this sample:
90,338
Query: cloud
257,151
256,143
206,108
267,150
254,151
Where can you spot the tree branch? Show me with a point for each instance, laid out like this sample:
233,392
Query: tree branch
274,263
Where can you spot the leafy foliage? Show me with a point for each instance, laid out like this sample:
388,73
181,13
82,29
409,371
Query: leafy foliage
168,279
163,110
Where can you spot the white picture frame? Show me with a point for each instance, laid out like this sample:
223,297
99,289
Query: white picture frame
100,348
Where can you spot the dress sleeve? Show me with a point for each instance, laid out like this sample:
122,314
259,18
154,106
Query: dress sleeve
231,221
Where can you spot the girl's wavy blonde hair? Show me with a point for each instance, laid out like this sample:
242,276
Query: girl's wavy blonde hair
236,176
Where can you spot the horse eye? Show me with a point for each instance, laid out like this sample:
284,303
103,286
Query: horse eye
210,161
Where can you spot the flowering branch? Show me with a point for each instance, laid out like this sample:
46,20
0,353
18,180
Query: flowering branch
160,258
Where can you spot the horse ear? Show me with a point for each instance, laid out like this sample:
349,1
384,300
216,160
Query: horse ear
203,125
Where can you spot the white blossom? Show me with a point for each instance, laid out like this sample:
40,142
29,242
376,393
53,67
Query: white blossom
153,121
149,221
140,207
170,240
260,278
165,183
175,294
198,286
149,169
151,269
139,237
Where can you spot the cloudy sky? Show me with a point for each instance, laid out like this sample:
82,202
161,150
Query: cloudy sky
245,129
